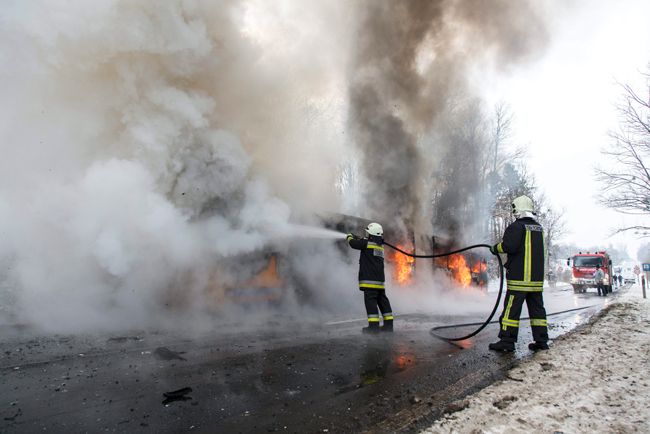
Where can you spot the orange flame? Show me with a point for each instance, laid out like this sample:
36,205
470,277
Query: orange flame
266,278
479,270
266,285
459,269
403,267
479,267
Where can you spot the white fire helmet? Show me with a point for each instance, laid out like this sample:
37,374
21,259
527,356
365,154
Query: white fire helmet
521,205
375,229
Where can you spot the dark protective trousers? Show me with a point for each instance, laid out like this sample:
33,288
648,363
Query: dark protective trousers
509,320
376,298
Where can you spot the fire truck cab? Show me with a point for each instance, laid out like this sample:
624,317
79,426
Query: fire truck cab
583,267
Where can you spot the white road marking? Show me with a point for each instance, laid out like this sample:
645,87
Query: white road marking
345,321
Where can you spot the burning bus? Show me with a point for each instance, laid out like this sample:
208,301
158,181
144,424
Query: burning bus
467,269
464,269
251,278
266,276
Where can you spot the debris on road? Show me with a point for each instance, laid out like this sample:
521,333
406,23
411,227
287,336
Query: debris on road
456,406
164,353
504,402
12,418
177,395
122,339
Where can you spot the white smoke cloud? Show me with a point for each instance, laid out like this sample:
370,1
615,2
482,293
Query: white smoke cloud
145,143
142,142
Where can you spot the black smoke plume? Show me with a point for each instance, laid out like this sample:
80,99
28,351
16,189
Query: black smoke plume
414,59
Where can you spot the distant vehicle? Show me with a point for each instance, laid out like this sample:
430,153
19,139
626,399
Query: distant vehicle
627,271
583,267
629,277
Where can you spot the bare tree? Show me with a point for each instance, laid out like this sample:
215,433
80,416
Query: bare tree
502,131
497,149
627,186
554,227
513,181
643,254
503,171
458,199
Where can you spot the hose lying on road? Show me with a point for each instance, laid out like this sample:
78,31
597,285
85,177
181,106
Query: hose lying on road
496,304
469,324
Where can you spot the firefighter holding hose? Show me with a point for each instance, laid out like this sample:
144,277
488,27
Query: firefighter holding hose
523,242
371,277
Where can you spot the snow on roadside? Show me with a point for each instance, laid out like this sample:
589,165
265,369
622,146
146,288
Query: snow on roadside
593,380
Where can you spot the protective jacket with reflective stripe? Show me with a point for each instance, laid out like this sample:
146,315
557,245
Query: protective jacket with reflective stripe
371,261
523,241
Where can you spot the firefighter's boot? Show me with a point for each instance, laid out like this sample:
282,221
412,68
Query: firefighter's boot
536,346
388,326
503,346
373,327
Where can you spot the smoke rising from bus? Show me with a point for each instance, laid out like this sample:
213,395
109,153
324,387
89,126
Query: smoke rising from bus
144,143
414,63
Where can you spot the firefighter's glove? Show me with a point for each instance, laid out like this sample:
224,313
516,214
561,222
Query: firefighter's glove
494,249
353,237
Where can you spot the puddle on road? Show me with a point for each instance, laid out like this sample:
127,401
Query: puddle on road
404,361
378,364
565,323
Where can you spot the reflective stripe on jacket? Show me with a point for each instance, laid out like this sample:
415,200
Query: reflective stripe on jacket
371,261
523,241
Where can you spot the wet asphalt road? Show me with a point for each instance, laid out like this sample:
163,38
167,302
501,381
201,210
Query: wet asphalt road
308,380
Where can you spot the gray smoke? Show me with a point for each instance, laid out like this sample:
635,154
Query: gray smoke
144,144
148,146
413,64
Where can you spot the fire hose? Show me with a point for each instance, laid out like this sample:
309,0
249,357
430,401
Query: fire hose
496,304
488,321
468,324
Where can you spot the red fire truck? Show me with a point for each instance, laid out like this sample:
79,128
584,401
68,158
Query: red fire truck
584,267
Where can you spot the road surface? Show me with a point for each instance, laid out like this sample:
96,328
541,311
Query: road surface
294,378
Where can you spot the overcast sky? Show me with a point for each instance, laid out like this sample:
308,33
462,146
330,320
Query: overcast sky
564,105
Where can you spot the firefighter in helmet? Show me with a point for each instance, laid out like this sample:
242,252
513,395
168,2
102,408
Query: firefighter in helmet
523,242
371,277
